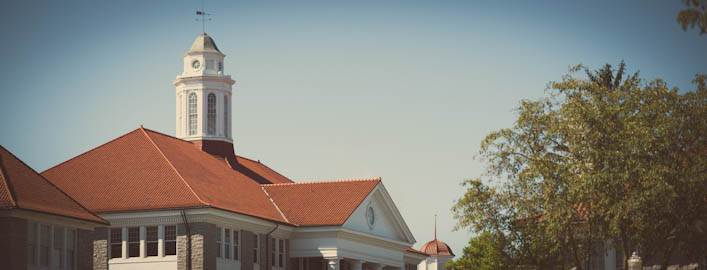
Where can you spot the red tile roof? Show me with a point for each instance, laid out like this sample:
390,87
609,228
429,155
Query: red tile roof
23,188
436,247
320,203
144,169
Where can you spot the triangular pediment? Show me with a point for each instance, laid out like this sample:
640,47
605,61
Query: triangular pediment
387,221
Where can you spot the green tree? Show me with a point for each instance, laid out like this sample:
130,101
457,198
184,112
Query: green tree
694,15
484,252
604,157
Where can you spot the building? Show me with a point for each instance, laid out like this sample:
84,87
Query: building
438,254
40,226
189,202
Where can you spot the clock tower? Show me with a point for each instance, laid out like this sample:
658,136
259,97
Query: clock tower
204,99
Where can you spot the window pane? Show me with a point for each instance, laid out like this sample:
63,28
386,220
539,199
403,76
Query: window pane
32,243
225,115
211,114
151,233
192,114
116,242
170,238
134,242
70,246
272,253
235,244
44,240
58,250
256,246
281,253
227,244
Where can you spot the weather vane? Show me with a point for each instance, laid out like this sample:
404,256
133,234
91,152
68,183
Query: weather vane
203,18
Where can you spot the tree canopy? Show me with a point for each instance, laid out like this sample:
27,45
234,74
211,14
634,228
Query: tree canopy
603,156
695,15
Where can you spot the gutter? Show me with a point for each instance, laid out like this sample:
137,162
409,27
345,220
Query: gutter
268,265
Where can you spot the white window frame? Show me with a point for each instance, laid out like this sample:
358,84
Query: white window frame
193,113
52,251
219,242
211,114
256,248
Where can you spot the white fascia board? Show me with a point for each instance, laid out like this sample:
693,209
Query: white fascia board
207,214
51,219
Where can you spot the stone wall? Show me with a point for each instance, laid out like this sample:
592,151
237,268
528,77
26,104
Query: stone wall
13,243
203,246
93,249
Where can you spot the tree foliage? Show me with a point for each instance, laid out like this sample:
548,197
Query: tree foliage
605,156
694,15
484,252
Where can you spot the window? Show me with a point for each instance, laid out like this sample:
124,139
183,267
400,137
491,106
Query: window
273,253
44,232
70,247
211,114
235,244
281,253
116,243
151,240
192,114
58,247
134,242
225,115
227,244
256,249
220,66
219,240
32,243
170,240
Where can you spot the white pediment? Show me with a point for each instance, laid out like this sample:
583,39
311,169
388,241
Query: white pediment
387,221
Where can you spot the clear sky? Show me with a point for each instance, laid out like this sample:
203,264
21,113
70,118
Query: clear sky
328,89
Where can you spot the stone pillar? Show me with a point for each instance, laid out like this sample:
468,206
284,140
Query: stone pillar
356,264
93,249
203,246
333,263
635,262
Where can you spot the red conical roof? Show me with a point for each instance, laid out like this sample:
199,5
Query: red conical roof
436,247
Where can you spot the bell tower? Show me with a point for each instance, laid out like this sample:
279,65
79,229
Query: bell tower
204,99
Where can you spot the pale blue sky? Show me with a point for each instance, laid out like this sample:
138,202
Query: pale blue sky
325,89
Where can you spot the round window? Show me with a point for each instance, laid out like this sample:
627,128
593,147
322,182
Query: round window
370,216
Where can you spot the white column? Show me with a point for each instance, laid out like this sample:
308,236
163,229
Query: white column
143,233
333,263
357,264
160,240
125,242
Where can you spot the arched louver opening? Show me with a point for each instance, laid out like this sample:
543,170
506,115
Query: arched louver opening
192,114
211,115
226,128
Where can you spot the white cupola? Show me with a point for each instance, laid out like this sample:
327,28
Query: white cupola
204,94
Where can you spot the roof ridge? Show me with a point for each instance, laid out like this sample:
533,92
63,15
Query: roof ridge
4,176
172,166
275,204
326,182
90,150
266,166
53,185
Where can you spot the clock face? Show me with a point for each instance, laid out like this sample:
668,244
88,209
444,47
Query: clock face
196,64
370,216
